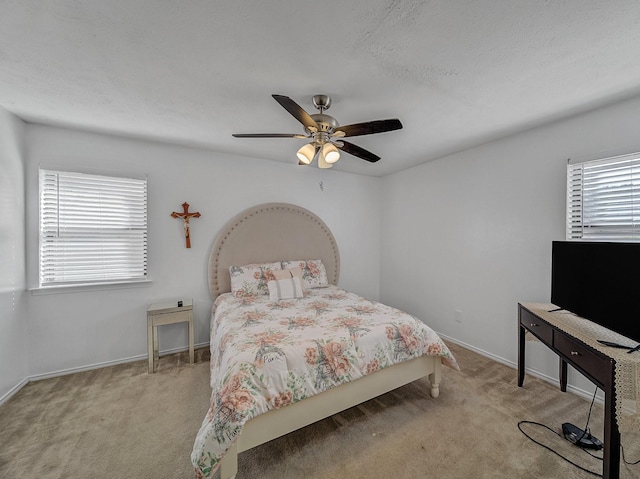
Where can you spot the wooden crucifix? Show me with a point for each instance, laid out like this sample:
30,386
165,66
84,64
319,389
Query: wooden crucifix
186,216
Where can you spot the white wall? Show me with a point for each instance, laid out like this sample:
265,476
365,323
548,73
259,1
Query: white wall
78,329
13,310
472,231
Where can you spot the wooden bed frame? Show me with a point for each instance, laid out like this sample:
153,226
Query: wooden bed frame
276,232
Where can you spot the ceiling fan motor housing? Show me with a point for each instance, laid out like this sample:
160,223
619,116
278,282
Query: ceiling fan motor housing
325,123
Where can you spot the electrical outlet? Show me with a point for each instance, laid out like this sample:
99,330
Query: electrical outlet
458,316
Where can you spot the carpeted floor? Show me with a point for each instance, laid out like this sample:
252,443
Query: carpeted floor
120,422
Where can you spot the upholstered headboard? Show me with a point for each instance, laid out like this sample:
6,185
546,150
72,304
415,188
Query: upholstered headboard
271,232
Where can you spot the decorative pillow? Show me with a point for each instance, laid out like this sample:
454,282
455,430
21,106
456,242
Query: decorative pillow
285,288
314,274
252,279
290,273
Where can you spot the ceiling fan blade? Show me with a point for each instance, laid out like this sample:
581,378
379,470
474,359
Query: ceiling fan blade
370,127
268,135
296,110
357,151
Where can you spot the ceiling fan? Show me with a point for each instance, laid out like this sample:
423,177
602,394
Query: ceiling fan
325,133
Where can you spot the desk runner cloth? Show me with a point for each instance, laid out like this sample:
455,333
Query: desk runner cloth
627,367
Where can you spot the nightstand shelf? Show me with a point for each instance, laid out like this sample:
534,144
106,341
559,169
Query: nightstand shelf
159,314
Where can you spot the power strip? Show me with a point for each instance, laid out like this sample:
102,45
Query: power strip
581,438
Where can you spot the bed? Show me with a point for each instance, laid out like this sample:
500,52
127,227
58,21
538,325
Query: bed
279,378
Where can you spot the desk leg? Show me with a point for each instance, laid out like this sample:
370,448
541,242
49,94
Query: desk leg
611,458
563,375
521,343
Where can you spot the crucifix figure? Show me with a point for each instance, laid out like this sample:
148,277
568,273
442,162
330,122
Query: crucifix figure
186,216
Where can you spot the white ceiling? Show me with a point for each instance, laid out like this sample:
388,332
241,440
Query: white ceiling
456,73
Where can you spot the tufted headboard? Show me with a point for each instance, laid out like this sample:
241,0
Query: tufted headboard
271,232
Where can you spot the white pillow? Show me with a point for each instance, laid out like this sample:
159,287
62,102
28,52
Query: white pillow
285,289
288,274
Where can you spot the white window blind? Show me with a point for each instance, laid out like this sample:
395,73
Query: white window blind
93,229
603,199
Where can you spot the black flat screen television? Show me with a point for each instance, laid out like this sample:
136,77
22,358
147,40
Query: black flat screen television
599,281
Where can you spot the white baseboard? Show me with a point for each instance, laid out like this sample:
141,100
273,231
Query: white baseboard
512,364
64,372
38,377
14,390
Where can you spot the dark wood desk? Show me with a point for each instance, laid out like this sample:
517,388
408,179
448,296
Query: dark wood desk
596,366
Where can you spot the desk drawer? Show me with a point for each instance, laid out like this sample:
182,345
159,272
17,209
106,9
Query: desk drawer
583,357
538,327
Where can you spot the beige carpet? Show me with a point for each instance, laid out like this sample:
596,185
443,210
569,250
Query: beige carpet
120,422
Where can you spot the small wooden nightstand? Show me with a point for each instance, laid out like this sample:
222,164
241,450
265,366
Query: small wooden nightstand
167,313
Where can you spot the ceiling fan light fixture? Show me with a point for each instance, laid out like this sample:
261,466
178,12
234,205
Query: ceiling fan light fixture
330,153
322,162
306,153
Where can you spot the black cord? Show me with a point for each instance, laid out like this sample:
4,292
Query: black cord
556,453
584,432
624,459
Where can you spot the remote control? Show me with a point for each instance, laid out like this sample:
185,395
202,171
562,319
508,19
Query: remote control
613,345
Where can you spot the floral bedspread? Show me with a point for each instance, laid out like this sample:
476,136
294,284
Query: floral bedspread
267,354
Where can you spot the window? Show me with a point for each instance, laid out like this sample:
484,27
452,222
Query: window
93,229
603,199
